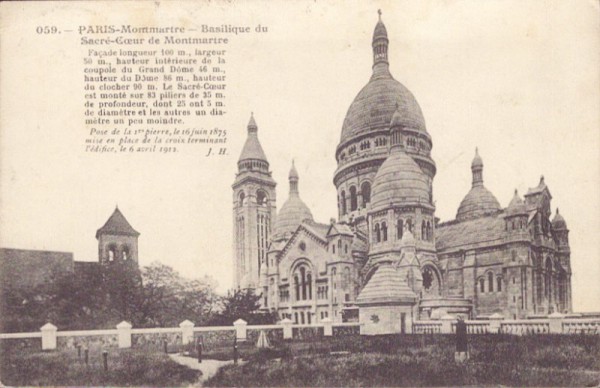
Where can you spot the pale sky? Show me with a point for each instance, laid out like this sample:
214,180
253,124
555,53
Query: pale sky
518,79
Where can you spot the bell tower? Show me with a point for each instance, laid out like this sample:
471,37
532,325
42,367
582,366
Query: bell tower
254,209
117,241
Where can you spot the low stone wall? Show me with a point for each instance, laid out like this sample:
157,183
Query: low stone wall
16,344
97,341
346,330
305,333
156,341
274,335
215,339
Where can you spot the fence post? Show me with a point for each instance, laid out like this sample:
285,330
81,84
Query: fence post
187,332
288,333
555,321
447,324
240,329
48,336
327,327
495,322
124,330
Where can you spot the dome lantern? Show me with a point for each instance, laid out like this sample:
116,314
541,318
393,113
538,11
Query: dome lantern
380,45
477,169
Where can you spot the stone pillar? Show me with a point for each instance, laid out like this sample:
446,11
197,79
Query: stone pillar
187,332
288,333
327,327
124,330
556,322
240,329
447,324
495,323
48,336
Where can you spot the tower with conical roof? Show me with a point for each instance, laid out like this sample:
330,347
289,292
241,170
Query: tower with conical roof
365,144
117,240
254,207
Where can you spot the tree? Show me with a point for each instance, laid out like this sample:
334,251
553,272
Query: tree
170,299
243,304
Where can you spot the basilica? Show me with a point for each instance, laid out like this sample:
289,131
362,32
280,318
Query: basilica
388,255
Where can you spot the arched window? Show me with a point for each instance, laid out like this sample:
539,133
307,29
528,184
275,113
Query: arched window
490,282
112,253
384,230
340,246
343,204
297,286
366,193
399,229
353,199
429,231
423,230
409,225
333,246
309,285
303,282
261,198
499,284
481,285
242,198
345,248
346,280
377,233
125,252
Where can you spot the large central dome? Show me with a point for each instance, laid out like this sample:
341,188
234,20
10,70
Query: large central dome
373,107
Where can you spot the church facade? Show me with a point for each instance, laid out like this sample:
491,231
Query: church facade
387,247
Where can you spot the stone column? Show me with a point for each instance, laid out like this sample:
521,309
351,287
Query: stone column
556,322
288,333
495,323
447,324
187,332
327,327
240,329
48,336
124,330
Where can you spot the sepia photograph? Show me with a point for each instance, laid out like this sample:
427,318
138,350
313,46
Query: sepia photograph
309,193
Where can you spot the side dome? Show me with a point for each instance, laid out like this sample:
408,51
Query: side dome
293,211
559,222
399,180
479,201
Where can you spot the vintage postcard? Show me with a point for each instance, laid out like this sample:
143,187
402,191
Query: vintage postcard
307,193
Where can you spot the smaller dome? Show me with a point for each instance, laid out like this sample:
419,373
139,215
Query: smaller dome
559,222
478,202
516,205
294,210
399,180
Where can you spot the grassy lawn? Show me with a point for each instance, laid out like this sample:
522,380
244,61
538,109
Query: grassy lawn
127,367
541,360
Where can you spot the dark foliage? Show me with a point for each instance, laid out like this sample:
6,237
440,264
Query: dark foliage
244,304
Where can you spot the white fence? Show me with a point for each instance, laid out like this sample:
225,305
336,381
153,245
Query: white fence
554,324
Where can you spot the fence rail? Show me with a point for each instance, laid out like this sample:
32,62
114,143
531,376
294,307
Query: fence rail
184,334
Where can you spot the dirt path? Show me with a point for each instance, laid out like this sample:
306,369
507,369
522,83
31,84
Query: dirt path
207,367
